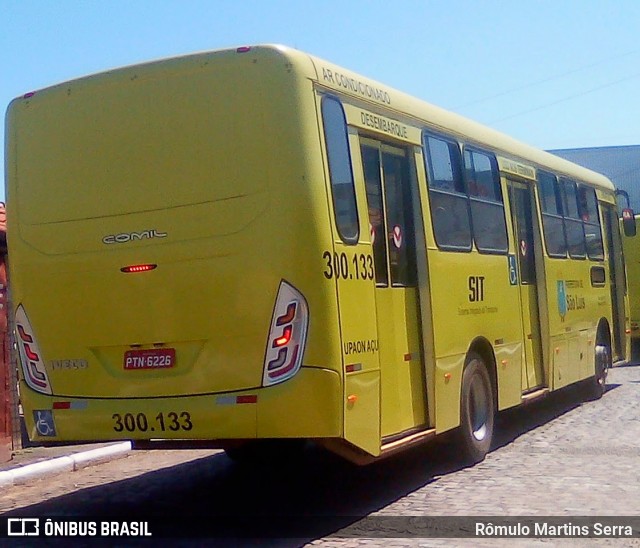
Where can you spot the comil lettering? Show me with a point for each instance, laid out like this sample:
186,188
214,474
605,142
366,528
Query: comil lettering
125,237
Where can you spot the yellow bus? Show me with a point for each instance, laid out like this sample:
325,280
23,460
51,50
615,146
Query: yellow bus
255,247
631,246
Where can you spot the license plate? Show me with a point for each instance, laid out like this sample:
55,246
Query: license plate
153,358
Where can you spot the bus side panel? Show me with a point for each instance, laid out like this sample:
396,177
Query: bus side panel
561,374
575,307
448,385
509,374
587,345
473,300
304,407
361,418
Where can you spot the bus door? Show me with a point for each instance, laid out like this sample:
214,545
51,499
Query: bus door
617,282
524,217
389,179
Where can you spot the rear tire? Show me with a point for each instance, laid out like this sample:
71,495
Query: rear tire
476,411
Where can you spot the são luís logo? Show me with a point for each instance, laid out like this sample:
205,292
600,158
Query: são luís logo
562,298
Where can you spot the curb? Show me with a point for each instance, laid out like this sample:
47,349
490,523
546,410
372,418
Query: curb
70,463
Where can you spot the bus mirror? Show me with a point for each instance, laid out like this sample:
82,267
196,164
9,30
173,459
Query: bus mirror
628,222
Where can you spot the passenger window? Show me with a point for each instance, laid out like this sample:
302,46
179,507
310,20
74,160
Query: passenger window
400,231
549,194
552,220
444,166
482,178
377,225
572,221
588,207
523,217
340,172
487,208
388,185
448,200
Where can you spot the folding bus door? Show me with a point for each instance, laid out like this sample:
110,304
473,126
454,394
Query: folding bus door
388,179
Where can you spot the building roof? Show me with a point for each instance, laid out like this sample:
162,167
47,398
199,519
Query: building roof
621,164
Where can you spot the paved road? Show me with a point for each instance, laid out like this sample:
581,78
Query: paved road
562,457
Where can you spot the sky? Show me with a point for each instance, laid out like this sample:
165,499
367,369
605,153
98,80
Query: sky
552,73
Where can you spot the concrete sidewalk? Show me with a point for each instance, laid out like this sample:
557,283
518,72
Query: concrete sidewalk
35,462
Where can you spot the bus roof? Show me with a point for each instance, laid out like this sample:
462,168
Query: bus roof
347,82
380,96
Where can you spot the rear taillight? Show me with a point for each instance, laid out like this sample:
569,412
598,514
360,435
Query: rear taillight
35,374
287,335
135,268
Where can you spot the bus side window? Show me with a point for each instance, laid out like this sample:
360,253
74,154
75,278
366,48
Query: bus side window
373,183
400,230
552,221
340,172
588,205
487,207
572,221
448,200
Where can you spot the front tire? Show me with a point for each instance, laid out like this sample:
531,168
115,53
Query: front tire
476,411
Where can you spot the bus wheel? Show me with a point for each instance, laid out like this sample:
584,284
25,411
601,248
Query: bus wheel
598,383
476,411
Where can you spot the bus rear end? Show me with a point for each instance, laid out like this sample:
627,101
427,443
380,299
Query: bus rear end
159,221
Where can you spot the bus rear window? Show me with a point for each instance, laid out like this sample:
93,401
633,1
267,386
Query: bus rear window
340,172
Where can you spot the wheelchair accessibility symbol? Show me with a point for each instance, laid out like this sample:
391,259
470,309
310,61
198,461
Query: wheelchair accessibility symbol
44,422
513,273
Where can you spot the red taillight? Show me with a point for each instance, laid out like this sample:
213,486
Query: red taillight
30,353
62,405
138,268
33,368
287,336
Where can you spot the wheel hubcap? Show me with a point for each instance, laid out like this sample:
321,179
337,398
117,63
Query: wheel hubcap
478,408
602,364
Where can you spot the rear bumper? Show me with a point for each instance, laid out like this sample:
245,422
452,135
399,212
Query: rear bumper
307,406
